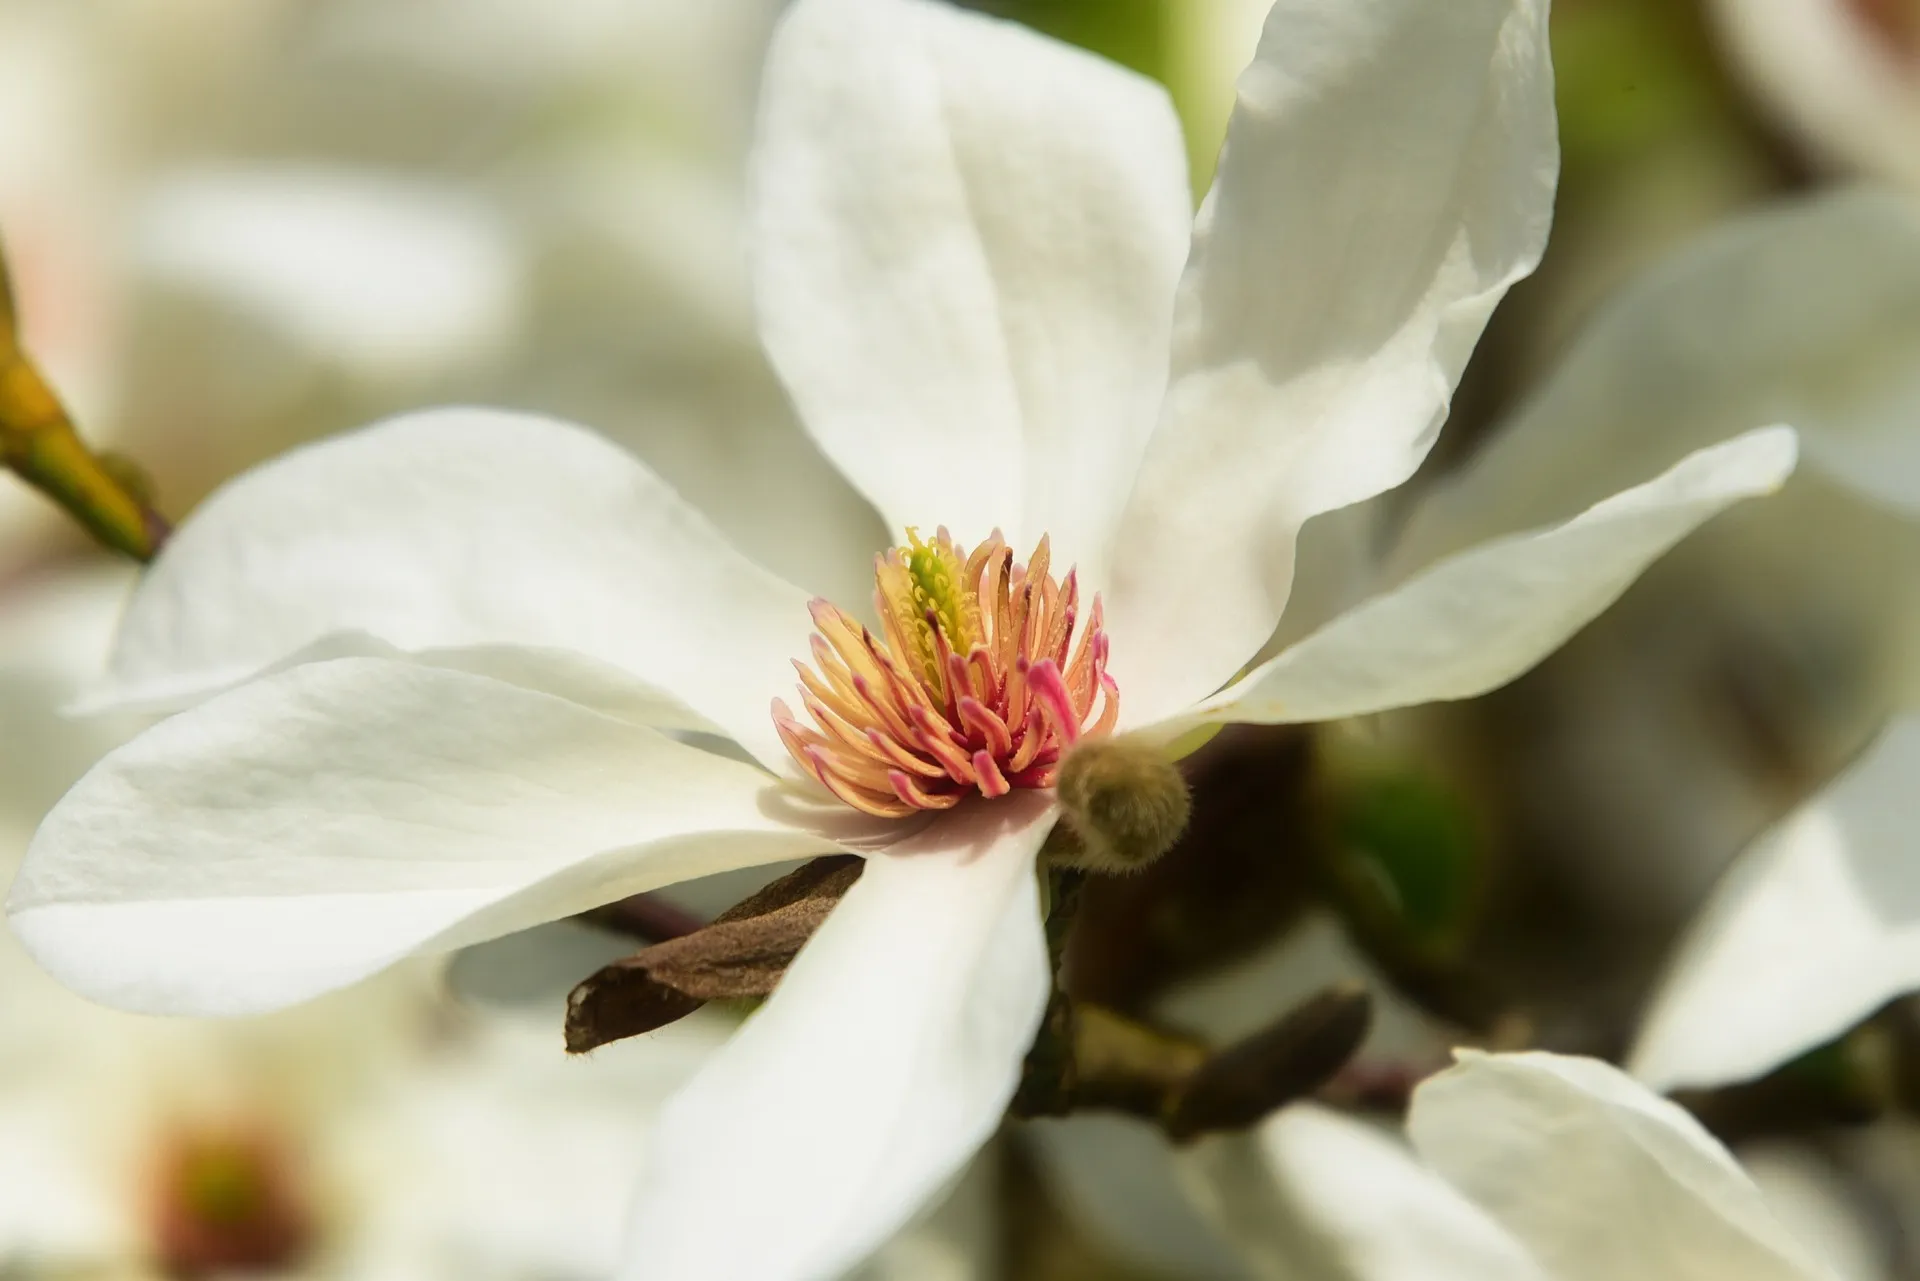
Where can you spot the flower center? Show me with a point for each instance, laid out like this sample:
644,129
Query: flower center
978,682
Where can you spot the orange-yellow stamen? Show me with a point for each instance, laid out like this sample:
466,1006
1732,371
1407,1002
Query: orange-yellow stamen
983,675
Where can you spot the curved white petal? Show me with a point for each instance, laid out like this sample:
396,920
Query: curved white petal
1316,1196
967,238
1813,929
869,1078
305,830
1389,172
466,527
1809,314
1477,620
564,673
1600,1178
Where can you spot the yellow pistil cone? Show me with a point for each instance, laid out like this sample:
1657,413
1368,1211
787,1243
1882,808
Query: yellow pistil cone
39,443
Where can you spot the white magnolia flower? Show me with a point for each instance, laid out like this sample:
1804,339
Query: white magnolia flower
454,645
1529,1167
1809,314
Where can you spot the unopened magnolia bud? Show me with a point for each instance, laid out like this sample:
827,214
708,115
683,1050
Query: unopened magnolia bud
1124,803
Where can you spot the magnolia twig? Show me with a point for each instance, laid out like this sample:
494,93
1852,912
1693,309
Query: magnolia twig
39,443
1114,1063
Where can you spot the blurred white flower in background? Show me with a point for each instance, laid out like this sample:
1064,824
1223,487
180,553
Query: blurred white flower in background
238,227
1841,76
1524,1167
1811,312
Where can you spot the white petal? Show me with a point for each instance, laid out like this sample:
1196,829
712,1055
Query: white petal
967,240
306,830
1817,1196
1315,1196
1600,1178
961,1237
1802,315
1813,929
1477,620
464,527
869,1078
1389,172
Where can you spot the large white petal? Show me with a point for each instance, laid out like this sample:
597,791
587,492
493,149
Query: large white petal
467,527
1600,1178
1808,314
310,828
1816,927
1477,620
866,1082
1389,172
967,239
1315,1196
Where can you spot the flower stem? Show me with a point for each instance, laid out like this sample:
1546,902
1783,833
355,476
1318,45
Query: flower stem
39,443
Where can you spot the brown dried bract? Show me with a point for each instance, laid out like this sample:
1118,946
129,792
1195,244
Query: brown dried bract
742,954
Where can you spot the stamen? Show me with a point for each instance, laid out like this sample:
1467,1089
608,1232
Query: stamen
992,781
983,672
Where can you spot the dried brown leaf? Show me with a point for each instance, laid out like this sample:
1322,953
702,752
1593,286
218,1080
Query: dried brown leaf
742,954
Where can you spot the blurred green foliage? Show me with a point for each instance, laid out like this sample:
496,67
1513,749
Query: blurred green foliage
1406,858
1131,32
1631,74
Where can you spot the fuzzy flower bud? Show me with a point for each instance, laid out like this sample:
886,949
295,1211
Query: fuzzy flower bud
1124,803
